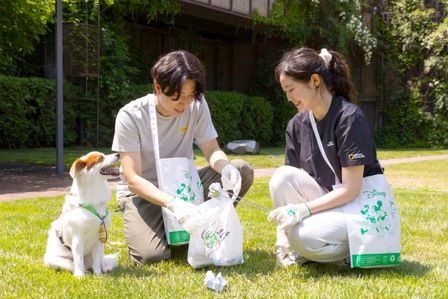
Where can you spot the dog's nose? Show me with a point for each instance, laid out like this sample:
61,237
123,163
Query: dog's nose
117,155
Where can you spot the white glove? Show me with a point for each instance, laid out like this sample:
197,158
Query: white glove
289,215
186,213
231,179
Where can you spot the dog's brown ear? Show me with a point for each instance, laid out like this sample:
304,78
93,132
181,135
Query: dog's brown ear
77,166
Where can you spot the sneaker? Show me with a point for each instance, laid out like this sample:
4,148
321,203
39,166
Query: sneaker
346,262
286,257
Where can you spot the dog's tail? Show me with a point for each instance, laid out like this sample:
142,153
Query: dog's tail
109,262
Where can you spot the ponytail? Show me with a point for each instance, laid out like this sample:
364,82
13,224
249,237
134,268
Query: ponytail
340,83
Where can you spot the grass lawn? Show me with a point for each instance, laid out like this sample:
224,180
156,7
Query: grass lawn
419,175
269,156
422,274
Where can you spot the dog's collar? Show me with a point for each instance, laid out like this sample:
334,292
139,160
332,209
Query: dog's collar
94,211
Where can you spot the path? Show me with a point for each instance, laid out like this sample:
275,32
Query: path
18,181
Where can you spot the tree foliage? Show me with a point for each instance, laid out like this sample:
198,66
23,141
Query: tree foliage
319,23
22,22
414,38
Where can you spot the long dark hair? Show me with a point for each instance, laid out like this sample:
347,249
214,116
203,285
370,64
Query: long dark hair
174,68
300,64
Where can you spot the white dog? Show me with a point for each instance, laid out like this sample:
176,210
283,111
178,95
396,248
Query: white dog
76,239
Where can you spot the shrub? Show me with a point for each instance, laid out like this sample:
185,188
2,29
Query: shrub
225,108
256,120
238,116
28,112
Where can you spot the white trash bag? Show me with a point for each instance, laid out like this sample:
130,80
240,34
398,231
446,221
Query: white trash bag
219,241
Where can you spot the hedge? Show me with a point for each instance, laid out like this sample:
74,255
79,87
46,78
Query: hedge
28,114
238,116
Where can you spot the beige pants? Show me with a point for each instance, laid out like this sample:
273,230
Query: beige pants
143,221
321,237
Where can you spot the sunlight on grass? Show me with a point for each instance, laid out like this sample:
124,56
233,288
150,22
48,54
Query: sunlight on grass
269,157
419,174
422,274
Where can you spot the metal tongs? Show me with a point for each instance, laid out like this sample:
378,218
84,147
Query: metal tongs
216,191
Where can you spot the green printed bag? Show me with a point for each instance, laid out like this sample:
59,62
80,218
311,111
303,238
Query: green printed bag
373,225
177,176
372,219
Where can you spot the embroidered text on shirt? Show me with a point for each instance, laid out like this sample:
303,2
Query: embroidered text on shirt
355,156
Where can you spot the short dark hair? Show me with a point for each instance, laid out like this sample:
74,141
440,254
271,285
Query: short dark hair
174,68
301,63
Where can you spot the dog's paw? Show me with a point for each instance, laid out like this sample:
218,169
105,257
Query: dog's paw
97,271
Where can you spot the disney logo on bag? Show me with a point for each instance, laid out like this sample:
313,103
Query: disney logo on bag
374,193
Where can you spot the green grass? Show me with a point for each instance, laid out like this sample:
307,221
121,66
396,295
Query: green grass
407,153
45,156
419,175
422,274
269,157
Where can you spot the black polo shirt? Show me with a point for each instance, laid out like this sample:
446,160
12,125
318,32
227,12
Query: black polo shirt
346,138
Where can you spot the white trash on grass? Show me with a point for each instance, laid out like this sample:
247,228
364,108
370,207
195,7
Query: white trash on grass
217,283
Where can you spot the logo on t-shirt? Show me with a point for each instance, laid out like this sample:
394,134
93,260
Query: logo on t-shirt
183,129
355,156
330,143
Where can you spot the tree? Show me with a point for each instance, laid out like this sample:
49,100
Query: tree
22,22
320,23
413,38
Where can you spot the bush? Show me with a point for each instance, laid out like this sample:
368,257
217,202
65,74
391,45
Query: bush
265,85
28,112
238,116
225,108
109,107
256,120
408,125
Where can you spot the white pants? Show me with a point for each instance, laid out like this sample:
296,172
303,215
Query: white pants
321,237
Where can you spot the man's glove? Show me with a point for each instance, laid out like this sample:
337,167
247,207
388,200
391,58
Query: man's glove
231,179
289,215
187,214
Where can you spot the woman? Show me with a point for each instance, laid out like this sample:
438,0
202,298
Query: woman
311,223
182,117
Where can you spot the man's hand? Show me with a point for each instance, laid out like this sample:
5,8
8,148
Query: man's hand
231,179
186,213
289,215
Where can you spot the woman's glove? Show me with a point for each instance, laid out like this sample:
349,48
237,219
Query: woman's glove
289,215
187,214
231,179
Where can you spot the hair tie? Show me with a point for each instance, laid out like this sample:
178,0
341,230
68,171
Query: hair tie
326,56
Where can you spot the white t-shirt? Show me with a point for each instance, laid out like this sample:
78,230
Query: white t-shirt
176,135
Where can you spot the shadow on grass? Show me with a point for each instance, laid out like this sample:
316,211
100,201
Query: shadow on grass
131,270
257,261
406,269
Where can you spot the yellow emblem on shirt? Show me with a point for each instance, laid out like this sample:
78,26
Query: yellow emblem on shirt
184,129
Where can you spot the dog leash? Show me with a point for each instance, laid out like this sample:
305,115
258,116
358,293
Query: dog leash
237,199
